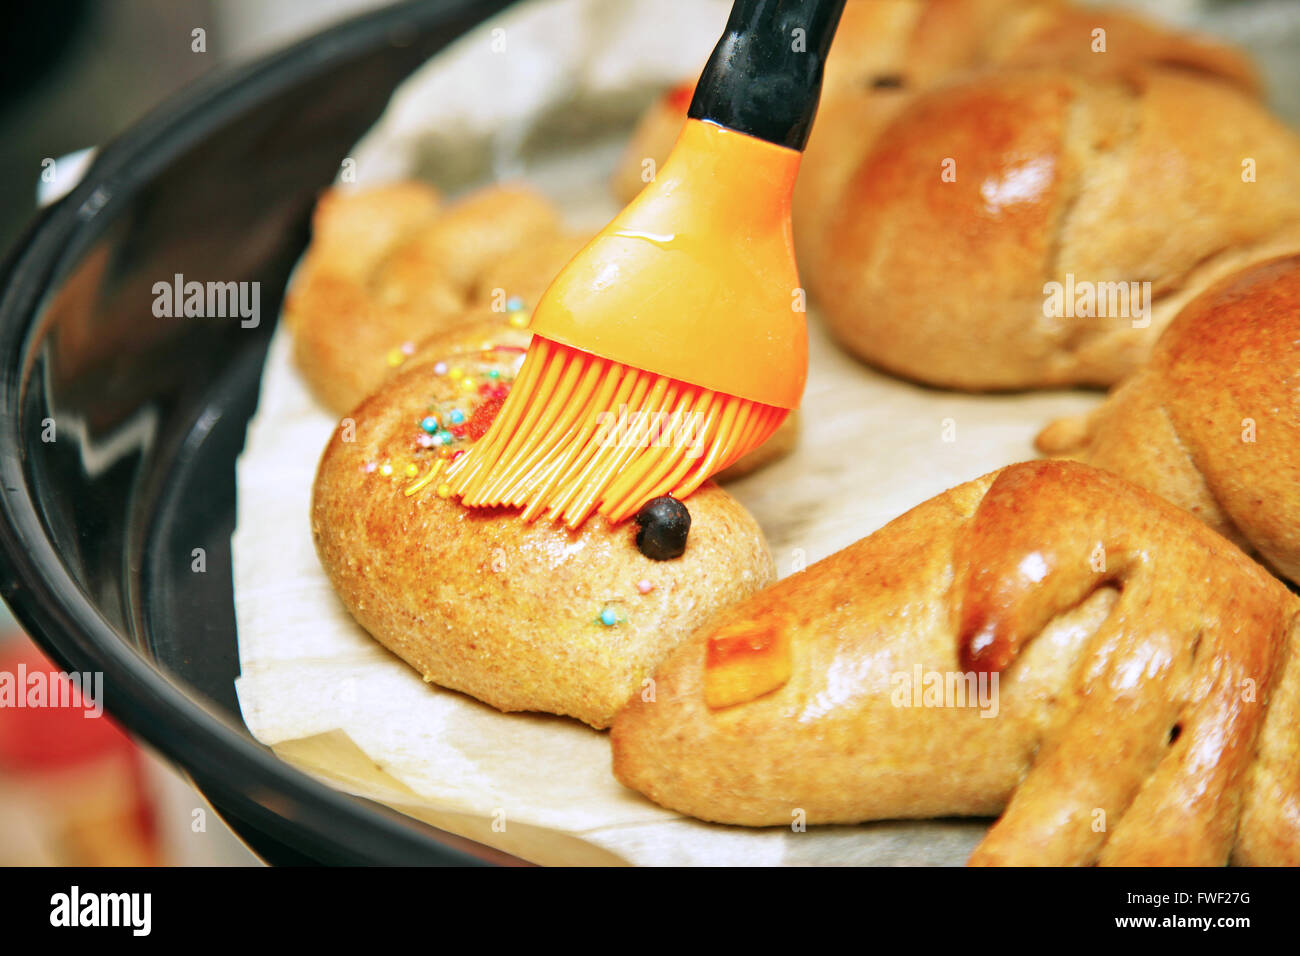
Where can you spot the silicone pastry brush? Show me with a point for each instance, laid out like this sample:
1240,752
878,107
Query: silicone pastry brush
675,341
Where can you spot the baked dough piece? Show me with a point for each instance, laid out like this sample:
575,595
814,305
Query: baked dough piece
1145,711
981,193
951,36
390,265
1212,421
887,51
522,616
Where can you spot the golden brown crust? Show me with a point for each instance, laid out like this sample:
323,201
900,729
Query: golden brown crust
951,36
471,235
525,271
944,278
1212,421
1067,36
389,266
1140,717
481,602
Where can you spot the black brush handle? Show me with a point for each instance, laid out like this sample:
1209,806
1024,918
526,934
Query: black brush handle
765,77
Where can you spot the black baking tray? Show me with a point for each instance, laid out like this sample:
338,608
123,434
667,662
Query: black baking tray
99,526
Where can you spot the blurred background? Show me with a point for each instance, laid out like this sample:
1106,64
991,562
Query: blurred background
75,73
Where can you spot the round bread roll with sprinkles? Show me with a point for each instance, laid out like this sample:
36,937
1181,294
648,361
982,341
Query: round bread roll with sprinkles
523,616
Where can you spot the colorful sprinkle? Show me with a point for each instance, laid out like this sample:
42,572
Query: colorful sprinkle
448,426
408,348
370,467
440,368
482,418
444,490
519,319
396,357
385,469
428,477
645,586
609,617
514,304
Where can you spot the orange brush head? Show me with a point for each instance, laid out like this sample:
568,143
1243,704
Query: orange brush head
580,433
674,343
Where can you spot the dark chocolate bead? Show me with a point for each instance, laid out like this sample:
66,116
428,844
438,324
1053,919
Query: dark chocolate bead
662,526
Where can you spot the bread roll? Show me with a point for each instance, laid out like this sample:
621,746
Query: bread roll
522,616
887,51
982,197
389,265
1047,642
1212,421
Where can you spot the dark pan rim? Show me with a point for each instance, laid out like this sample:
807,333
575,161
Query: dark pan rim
242,777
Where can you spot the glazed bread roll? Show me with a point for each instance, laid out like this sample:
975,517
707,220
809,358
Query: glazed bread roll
390,265
887,51
1144,711
522,616
1212,421
1029,228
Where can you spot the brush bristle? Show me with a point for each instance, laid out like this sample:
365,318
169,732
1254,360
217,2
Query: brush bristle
579,433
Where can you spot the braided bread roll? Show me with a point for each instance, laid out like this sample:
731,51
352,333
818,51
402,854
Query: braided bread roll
1212,421
390,265
961,248
887,51
1145,710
